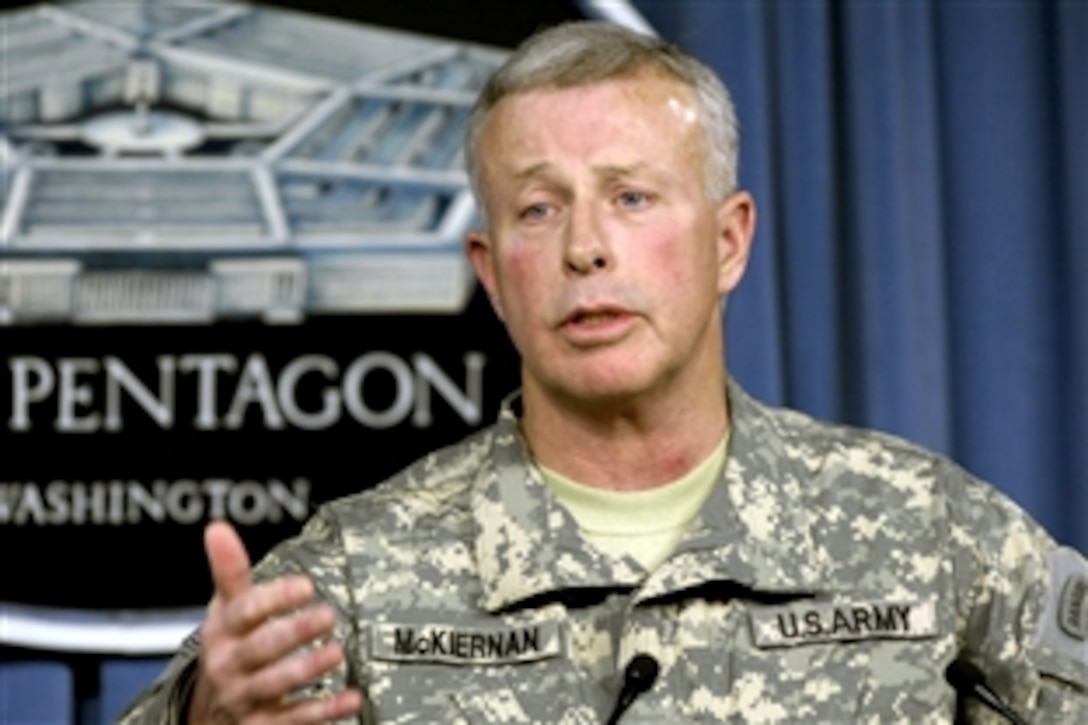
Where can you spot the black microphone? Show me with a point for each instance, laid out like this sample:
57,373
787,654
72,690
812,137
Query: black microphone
640,675
969,681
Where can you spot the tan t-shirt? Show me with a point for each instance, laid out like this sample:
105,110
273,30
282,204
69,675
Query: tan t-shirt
644,524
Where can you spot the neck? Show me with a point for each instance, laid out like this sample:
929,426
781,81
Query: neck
626,445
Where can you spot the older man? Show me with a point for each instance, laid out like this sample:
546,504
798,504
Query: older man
632,504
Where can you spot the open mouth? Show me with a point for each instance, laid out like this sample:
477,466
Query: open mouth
593,318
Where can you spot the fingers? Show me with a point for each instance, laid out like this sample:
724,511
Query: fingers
291,674
280,637
253,672
343,704
258,644
227,559
278,597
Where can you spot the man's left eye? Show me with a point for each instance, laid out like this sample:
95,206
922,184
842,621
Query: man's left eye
633,198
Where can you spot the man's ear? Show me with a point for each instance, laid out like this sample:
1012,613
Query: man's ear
736,228
479,247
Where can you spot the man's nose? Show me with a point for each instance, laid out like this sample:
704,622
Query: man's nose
587,245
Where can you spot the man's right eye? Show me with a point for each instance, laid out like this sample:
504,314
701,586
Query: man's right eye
534,212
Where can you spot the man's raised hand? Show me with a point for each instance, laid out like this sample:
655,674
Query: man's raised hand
250,658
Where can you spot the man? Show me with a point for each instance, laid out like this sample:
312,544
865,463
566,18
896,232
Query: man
633,503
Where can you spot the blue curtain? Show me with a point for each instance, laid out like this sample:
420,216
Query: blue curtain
922,260
921,265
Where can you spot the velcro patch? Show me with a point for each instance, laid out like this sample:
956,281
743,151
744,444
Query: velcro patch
1064,626
809,622
1073,607
453,644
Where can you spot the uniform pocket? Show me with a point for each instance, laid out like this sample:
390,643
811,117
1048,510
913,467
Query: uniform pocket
505,705
545,691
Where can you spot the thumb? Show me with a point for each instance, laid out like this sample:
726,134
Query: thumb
227,559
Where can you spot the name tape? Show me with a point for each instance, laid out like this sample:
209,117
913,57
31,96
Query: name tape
809,622
465,645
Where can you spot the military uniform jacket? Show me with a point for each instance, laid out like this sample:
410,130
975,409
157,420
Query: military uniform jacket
831,576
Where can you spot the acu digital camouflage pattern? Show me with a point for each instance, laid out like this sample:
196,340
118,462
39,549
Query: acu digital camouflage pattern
831,577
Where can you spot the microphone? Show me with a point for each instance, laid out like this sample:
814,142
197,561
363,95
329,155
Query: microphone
639,676
969,681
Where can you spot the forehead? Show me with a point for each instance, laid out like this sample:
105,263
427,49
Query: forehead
646,111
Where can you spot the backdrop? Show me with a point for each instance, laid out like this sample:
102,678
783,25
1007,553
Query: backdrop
920,265
921,171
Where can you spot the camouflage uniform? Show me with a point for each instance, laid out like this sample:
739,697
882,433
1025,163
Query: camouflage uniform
831,577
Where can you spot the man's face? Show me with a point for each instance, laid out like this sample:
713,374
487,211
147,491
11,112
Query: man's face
604,256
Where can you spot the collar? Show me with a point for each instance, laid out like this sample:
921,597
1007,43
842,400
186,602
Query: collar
753,530
527,543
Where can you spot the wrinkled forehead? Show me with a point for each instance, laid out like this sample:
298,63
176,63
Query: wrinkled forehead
646,113
644,95
646,78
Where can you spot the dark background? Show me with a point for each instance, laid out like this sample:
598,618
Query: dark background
492,22
161,564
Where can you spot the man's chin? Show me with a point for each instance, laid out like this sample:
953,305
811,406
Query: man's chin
603,390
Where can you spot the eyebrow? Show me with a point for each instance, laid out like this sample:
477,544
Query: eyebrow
613,171
529,172
607,171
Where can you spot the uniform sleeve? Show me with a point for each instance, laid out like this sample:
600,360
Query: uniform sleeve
318,552
1023,606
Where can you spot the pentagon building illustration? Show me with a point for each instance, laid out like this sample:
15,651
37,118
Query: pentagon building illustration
182,162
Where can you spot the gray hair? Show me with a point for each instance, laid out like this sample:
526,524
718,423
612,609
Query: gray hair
583,52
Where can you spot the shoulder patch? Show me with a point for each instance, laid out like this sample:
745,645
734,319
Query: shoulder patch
1073,606
1064,625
